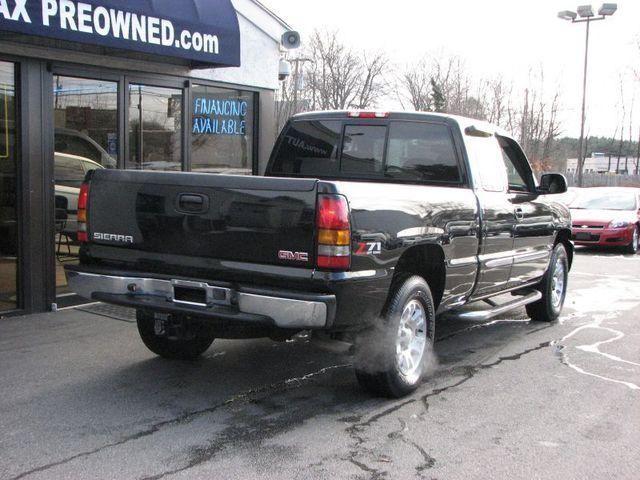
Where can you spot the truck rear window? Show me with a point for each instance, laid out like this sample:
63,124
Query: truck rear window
398,151
308,148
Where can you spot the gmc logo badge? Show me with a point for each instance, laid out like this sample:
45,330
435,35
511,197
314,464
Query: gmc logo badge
112,237
293,256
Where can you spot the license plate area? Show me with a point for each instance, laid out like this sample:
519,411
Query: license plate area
587,237
199,294
189,295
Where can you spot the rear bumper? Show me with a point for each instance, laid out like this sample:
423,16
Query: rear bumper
282,309
612,237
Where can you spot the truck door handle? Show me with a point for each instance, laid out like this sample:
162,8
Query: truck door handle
192,203
519,213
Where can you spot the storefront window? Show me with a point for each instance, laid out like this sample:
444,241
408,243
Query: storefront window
155,128
86,138
86,119
8,190
222,130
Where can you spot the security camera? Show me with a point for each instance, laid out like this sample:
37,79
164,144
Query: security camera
290,40
284,69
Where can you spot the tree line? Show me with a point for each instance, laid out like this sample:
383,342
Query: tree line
329,75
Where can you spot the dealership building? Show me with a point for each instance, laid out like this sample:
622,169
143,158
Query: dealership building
143,84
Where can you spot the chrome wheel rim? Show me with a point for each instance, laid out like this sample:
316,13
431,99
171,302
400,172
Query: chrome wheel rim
411,339
635,239
557,284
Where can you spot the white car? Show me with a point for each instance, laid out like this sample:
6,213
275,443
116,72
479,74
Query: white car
69,172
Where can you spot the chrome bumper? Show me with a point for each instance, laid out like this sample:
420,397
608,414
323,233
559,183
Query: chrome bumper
284,312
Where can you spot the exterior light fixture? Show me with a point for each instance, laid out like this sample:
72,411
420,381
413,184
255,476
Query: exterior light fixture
608,9
585,11
567,15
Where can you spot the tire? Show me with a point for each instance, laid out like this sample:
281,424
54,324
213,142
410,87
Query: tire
384,365
187,339
553,288
633,246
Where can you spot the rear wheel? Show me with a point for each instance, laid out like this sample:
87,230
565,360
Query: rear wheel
173,337
553,288
392,357
633,246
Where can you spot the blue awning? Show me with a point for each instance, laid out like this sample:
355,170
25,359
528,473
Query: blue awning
197,32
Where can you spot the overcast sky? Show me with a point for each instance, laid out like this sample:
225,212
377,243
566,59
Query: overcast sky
505,37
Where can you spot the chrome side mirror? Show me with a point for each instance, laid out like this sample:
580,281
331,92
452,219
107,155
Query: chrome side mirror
552,183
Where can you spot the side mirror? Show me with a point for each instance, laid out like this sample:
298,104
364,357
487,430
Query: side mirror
551,183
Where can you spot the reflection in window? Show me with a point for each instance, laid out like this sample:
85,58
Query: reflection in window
155,126
308,148
85,138
222,131
421,151
363,148
86,119
8,190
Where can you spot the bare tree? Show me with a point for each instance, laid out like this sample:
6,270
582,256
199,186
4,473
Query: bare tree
533,119
328,75
415,85
339,78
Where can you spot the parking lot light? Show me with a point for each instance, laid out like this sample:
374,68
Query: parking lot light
607,9
585,12
567,15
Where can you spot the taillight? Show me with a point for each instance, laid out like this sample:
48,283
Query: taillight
334,233
83,203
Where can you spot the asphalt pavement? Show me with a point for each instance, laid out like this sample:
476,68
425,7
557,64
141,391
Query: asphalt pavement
81,397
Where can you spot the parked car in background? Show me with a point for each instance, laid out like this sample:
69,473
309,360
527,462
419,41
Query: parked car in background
69,172
73,142
607,216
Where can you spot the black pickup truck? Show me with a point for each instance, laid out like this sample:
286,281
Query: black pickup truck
364,229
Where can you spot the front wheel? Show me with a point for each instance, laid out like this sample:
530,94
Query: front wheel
176,338
633,246
553,288
392,356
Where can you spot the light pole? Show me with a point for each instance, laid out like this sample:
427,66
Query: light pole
296,79
585,12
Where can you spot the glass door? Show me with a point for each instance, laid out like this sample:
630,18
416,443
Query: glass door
155,128
85,138
9,215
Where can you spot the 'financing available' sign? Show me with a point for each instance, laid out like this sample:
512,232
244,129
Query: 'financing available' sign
203,32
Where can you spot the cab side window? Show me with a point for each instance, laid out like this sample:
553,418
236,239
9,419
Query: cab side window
519,173
421,151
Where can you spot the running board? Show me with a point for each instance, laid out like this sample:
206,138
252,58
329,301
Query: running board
534,296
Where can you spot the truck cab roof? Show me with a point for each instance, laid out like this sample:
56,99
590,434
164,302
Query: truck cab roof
481,126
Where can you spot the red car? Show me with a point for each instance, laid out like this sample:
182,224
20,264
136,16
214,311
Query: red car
607,216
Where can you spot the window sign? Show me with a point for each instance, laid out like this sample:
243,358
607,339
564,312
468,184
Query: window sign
222,130
213,115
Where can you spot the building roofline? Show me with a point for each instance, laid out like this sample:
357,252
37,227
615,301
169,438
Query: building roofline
273,15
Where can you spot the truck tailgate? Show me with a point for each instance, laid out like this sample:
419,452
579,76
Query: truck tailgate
245,219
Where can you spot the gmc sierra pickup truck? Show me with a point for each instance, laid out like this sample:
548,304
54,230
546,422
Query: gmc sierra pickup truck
365,228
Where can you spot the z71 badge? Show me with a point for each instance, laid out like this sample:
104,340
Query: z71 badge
368,248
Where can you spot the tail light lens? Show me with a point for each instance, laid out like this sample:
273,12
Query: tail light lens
83,204
334,233
358,114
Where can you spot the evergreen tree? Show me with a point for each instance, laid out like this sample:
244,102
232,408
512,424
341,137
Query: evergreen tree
437,97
